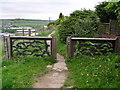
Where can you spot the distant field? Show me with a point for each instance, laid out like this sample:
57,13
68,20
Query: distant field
27,23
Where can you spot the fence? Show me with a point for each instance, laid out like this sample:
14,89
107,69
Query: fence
115,27
103,28
26,32
91,46
28,45
111,28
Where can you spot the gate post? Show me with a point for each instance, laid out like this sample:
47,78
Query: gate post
9,47
53,47
69,47
5,45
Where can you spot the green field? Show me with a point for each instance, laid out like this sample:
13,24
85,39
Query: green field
27,23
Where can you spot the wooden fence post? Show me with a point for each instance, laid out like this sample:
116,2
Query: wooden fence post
9,47
53,47
69,47
29,32
6,53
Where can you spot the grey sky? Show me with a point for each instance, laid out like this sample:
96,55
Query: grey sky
42,9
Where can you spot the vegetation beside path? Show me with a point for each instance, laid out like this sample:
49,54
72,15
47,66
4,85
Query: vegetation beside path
21,71
91,72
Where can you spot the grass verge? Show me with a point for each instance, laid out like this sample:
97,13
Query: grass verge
93,72
20,72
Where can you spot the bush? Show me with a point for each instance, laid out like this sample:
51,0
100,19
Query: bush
78,24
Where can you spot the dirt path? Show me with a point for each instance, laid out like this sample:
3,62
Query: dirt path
55,78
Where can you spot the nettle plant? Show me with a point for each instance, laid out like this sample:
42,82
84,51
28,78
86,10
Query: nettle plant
92,48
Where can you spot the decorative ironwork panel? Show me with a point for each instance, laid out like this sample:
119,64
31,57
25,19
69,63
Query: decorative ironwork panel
92,48
30,47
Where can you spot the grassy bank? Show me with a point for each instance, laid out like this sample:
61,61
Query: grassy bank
93,72
21,72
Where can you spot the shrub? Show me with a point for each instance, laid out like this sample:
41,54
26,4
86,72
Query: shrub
78,24
51,25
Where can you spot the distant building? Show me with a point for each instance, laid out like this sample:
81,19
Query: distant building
26,29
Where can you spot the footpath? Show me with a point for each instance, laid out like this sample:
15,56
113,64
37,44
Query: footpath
56,77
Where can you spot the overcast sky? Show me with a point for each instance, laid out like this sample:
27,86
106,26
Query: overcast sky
42,9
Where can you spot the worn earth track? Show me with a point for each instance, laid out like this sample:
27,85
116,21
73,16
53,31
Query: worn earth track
56,77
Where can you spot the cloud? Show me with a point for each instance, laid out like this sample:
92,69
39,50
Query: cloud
42,9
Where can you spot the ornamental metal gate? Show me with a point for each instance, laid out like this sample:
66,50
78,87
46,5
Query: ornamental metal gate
28,45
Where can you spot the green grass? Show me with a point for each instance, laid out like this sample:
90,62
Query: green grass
61,47
27,23
45,33
93,72
90,72
20,72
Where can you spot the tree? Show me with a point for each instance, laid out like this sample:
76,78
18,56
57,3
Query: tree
108,11
61,16
61,19
115,7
